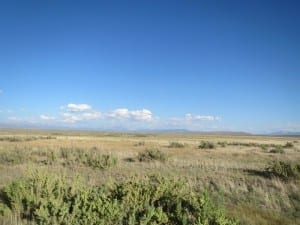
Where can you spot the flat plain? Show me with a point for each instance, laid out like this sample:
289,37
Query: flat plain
236,170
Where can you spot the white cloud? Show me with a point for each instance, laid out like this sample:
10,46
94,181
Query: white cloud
70,118
120,114
190,117
79,112
74,117
143,114
77,107
45,117
137,115
1,91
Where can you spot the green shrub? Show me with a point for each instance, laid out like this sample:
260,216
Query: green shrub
87,157
222,144
284,170
206,145
289,145
277,150
176,145
100,161
140,143
152,155
47,200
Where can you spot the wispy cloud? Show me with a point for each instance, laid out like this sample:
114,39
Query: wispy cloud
70,117
190,117
126,114
77,107
1,91
194,122
14,118
46,117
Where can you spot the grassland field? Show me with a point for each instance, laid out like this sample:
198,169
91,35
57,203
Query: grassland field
236,170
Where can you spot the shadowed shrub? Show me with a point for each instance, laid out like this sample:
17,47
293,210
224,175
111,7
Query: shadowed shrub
140,143
151,155
277,150
284,170
176,145
289,145
206,145
223,144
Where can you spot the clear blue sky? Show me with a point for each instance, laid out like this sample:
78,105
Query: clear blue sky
198,65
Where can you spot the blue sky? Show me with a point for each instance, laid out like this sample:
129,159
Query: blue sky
197,65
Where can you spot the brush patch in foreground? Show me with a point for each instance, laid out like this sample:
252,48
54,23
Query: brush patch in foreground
47,199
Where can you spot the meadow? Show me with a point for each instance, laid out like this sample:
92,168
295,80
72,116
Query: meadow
81,177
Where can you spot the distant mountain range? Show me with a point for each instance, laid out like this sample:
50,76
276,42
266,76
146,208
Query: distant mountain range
163,131
285,133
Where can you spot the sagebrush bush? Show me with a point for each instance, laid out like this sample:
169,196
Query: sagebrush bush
289,145
206,145
140,143
152,155
277,150
284,169
176,145
49,200
87,157
222,144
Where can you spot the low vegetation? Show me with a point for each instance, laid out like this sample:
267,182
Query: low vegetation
206,145
289,145
140,143
64,156
49,200
284,170
122,178
176,145
258,145
152,155
25,138
91,158
277,150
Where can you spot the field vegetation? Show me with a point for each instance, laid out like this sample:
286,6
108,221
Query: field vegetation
72,177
